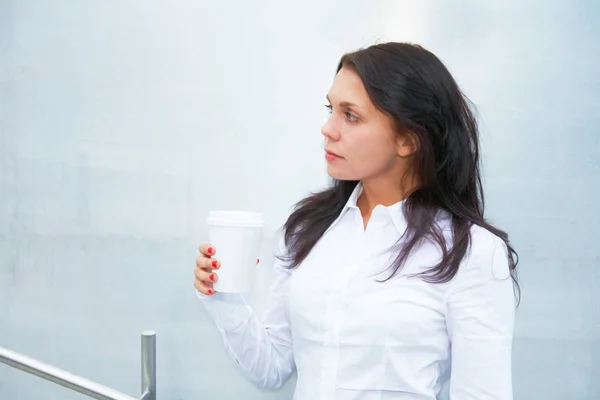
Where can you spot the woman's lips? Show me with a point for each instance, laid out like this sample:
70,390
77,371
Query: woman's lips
331,156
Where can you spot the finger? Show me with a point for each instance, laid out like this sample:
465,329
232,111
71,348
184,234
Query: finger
207,263
205,275
204,287
207,249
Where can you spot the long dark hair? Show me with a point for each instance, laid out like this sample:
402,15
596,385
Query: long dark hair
411,85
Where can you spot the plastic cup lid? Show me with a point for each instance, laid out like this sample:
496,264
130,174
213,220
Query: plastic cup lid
236,218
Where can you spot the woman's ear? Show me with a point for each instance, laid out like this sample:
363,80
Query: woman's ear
407,144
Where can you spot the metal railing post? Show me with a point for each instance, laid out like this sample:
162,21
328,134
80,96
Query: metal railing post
148,365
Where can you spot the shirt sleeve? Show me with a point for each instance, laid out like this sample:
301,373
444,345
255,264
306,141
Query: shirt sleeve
480,322
262,345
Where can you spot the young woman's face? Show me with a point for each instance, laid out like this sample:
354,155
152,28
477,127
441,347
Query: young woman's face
361,142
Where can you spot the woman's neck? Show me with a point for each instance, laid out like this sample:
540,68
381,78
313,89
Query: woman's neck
381,192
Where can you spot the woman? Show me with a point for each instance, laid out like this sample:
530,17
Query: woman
391,281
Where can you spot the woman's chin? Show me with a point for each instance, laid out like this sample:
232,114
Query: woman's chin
336,173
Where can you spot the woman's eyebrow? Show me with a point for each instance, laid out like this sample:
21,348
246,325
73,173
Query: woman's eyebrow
344,103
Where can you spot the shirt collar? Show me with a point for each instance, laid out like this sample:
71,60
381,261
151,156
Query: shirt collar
396,211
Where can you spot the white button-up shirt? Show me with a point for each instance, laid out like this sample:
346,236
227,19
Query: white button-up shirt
350,336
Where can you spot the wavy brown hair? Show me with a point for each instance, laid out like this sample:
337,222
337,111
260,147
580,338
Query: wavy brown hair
413,87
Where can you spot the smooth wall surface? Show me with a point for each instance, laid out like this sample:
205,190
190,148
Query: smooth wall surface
122,123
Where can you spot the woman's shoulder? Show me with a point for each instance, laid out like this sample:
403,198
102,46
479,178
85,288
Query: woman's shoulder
483,239
487,254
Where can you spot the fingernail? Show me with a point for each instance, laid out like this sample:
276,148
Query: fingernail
211,250
212,277
215,264
211,292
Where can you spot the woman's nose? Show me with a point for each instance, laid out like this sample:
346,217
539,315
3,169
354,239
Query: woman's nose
329,130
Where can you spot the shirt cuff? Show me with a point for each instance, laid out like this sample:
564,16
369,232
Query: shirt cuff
229,311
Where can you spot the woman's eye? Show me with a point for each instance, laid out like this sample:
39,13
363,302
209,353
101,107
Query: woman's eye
351,117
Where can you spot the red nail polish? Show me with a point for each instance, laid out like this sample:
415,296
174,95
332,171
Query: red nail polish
215,264
210,291
212,277
210,250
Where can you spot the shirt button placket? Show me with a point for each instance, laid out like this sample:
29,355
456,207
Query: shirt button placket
336,312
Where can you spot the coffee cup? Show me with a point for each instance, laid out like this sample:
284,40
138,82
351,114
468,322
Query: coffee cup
237,236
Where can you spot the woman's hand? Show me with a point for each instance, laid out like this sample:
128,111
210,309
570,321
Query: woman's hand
205,264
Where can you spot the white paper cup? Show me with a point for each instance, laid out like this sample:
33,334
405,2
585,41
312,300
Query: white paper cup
237,236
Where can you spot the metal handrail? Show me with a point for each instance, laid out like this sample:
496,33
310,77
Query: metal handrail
86,386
